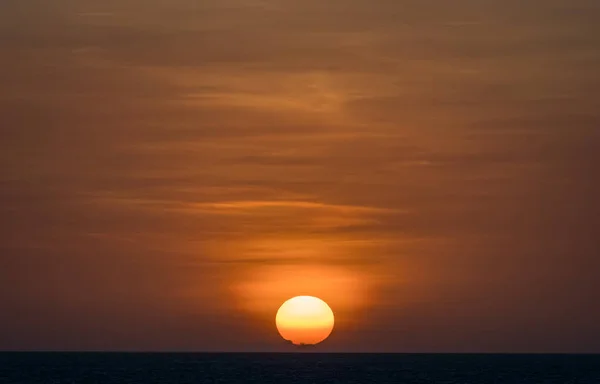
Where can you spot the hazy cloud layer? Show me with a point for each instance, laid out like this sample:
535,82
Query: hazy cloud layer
164,164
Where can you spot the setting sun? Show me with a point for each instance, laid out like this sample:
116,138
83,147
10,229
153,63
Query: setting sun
305,320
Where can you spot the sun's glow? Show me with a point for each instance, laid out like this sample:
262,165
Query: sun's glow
305,320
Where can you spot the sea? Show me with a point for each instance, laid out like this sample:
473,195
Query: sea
265,368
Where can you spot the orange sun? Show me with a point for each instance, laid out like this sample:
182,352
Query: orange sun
304,320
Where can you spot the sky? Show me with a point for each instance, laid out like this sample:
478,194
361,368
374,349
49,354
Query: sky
173,171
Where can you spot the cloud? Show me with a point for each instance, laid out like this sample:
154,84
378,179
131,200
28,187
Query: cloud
430,151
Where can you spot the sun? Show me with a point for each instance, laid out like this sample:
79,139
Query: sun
305,320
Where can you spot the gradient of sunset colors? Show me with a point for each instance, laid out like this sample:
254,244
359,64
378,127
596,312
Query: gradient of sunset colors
172,171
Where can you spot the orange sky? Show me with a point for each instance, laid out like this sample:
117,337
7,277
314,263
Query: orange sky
172,171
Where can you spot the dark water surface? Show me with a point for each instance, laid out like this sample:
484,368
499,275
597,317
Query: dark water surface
165,368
